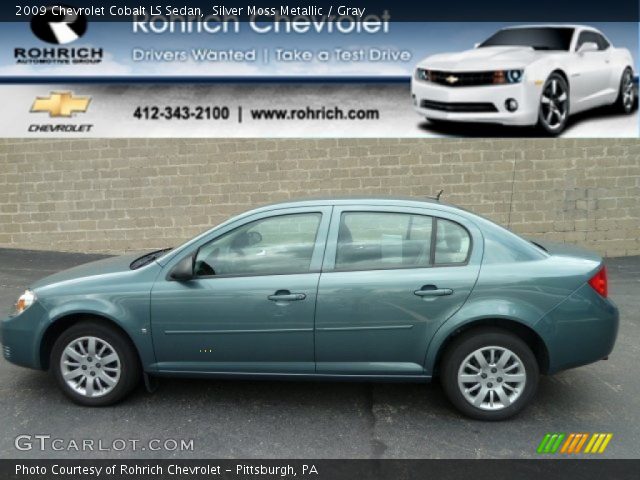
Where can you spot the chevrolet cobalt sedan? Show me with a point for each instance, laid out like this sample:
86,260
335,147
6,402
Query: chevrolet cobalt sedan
338,289
526,75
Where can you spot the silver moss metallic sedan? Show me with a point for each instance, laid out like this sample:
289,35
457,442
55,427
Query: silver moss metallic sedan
356,289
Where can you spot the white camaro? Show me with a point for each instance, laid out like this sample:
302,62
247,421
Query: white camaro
526,75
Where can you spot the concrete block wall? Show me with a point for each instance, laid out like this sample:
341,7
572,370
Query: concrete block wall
117,195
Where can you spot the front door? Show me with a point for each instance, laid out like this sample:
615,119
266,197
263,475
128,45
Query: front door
390,279
250,308
591,78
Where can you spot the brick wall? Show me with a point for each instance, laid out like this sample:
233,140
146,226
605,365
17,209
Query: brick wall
120,195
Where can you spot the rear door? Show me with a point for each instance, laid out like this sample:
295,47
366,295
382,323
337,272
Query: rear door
391,277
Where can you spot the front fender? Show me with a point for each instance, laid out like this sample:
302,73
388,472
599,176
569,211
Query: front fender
539,71
130,313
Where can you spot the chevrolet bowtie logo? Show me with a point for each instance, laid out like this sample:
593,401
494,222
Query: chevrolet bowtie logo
60,104
452,79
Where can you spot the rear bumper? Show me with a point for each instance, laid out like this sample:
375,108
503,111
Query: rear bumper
485,104
581,330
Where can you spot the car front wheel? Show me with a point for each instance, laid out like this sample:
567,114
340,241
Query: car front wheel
94,364
553,112
489,374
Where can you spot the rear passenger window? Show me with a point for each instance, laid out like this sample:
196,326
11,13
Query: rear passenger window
452,243
377,240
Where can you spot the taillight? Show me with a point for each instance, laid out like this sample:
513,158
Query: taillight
599,282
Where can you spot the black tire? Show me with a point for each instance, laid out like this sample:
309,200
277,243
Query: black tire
623,104
544,125
437,121
468,343
130,370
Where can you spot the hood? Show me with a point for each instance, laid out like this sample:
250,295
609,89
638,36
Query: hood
92,269
569,251
485,58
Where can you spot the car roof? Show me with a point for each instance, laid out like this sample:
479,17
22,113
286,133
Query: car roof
575,26
359,200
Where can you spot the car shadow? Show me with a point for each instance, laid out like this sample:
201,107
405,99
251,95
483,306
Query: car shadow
298,419
493,130
554,392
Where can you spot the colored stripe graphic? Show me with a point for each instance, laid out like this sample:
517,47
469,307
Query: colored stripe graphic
573,443
598,443
550,443
543,443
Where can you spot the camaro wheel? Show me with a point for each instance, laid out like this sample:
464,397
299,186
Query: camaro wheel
489,374
554,105
94,364
627,95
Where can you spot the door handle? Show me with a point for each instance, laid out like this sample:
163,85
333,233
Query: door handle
286,296
432,291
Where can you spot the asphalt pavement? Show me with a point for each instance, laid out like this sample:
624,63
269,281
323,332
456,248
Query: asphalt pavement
247,419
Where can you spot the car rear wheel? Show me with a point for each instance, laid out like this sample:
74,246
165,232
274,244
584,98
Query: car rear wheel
94,364
553,111
626,100
489,374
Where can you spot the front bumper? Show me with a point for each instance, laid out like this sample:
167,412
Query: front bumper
527,94
21,336
581,330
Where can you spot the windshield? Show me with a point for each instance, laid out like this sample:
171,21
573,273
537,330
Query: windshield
538,38
147,258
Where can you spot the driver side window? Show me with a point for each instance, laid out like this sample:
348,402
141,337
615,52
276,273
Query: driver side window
593,37
269,246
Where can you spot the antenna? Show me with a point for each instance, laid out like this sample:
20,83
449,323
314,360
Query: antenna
439,194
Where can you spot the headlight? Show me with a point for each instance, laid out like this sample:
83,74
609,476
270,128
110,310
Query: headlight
507,76
25,301
423,74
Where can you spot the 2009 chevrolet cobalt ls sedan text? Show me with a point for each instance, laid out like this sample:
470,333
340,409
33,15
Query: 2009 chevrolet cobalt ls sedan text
357,289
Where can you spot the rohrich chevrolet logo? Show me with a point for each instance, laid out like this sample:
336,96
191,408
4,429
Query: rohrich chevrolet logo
452,79
574,443
61,104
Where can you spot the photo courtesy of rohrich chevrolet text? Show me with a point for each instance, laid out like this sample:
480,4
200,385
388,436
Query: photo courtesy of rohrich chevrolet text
319,240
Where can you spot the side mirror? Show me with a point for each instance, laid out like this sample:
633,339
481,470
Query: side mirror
183,271
588,47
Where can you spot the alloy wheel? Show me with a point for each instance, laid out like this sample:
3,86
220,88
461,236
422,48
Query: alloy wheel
554,104
90,366
492,378
628,91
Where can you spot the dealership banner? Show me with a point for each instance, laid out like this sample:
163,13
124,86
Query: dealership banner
368,69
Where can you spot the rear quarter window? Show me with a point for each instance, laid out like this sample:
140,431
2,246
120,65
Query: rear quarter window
504,249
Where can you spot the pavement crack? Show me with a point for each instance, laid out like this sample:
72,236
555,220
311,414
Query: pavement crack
378,447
